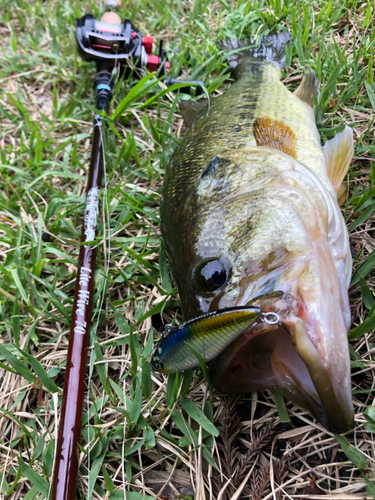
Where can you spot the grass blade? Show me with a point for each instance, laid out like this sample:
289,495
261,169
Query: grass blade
197,414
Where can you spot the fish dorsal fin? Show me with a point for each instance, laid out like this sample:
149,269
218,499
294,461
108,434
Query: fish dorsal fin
307,88
338,153
276,135
190,109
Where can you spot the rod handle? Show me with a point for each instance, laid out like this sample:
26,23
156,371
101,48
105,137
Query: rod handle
111,18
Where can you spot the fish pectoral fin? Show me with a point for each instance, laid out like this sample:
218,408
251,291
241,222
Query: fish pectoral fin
190,110
307,88
275,134
342,194
338,153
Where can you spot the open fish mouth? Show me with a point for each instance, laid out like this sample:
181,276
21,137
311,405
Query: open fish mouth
283,355
266,343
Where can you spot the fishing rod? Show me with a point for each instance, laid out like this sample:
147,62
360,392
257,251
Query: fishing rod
111,43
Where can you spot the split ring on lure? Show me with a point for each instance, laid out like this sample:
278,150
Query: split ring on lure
209,335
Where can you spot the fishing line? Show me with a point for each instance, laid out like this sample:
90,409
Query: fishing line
98,123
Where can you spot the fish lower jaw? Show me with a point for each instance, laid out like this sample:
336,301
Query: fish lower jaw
284,357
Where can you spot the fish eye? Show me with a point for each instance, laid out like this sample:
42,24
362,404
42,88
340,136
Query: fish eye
157,364
212,275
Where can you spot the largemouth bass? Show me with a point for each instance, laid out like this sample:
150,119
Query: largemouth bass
249,212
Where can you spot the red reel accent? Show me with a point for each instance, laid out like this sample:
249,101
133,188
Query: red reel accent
147,43
153,63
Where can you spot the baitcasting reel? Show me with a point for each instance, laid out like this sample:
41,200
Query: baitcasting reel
98,40
114,41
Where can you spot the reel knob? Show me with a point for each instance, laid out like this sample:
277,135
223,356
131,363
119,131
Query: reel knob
147,43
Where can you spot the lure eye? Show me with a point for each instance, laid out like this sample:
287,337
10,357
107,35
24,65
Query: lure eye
213,275
157,365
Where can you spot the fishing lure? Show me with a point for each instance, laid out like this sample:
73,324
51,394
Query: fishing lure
208,335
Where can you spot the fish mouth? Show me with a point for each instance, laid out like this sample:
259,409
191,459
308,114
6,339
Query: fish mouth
283,355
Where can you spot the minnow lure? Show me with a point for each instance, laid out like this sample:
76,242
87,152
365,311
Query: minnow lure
209,335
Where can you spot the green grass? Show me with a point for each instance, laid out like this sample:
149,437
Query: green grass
141,430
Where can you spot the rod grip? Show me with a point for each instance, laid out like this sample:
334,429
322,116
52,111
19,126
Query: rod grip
111,18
